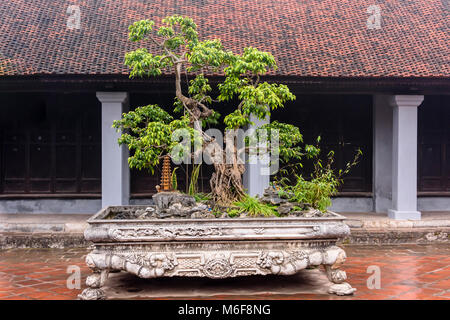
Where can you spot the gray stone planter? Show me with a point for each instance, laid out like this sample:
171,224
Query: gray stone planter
214,248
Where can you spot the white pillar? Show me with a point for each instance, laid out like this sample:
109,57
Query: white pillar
256,175
115,170
404,165
382,152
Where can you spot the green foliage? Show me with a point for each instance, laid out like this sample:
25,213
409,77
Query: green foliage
144,63
264,97
174,179
322,185
176,31
194,178
199,87
252,61
200,197
217,212
233,212
290,150
289,139
317,192
147,131
210,53
243,80
179,34
176,47
253,207
140,30
236,120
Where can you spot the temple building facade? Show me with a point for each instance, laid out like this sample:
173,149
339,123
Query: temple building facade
383,89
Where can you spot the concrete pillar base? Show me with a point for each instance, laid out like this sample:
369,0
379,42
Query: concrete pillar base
404,215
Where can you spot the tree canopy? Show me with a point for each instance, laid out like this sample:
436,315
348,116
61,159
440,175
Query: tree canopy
177,49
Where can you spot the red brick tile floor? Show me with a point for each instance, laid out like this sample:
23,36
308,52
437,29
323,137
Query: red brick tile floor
407,272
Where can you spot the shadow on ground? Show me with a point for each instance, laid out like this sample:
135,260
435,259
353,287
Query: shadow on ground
127,286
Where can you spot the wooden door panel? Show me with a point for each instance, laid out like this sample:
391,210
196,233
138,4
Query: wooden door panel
14,161
41,150
40,161
66,186
91,186
66,162
344,124
14,186
434,144
40,186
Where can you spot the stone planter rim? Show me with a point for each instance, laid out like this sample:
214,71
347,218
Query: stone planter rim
98,218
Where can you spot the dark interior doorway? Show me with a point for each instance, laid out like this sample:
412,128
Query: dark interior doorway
434,145
50,144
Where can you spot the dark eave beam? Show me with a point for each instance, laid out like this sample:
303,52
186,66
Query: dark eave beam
309,85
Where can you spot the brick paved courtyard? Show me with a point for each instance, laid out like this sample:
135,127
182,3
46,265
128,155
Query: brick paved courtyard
407,272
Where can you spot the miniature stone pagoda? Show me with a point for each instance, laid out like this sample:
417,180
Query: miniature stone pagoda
166,183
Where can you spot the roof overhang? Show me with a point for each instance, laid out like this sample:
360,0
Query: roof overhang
310,85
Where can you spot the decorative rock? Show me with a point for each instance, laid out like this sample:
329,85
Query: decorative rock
271,196
337,276
285,208
203,215
341,289
92,294
200,207
310,213
94,281
164,200
147,213
179,210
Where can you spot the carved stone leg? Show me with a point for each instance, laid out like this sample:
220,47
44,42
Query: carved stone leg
338,277
334,258
94,282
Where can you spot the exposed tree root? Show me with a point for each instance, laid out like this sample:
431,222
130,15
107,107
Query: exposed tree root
226,183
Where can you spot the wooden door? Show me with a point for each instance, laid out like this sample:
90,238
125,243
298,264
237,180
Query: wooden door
434,145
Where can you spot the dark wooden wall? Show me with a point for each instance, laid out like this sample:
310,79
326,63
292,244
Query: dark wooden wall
50,144
344,124
434,145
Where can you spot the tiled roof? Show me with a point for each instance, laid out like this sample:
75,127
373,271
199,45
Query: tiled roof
327,38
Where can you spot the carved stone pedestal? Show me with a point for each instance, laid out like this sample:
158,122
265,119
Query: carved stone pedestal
214,248
338,277
94,282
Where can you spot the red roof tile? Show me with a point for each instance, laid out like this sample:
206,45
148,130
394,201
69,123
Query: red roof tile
308,38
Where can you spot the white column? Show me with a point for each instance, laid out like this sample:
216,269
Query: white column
256,175
404,164
382,152
115,170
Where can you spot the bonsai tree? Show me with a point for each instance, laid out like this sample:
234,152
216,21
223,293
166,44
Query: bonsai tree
174,47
